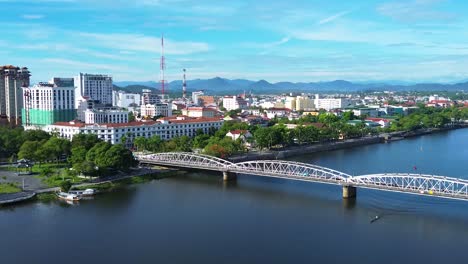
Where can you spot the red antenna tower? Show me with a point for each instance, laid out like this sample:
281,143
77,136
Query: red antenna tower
163,67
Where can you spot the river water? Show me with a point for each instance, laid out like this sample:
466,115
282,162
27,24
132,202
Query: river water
196,218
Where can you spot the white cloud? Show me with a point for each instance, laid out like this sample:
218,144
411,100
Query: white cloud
139,42
415,10
332,18
31,16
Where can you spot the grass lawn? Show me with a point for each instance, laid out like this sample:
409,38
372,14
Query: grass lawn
53,174
9,188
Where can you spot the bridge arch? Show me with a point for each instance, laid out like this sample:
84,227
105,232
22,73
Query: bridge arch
414,183
187,160
290,170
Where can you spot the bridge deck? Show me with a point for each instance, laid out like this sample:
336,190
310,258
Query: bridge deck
426,185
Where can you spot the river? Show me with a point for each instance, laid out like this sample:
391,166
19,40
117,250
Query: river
196,218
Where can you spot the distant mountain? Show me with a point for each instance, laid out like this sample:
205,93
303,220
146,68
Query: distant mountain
128,83
222,86
136,88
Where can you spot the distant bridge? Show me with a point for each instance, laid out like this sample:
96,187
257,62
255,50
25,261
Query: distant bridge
429,185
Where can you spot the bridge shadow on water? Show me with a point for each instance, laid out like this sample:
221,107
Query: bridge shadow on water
368,204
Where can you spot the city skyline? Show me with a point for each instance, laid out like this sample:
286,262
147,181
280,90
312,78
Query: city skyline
298,41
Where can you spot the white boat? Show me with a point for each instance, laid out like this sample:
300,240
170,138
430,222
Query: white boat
81,193
68,196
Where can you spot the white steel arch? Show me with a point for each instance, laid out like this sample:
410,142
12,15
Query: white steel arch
290,170
421,184
187,160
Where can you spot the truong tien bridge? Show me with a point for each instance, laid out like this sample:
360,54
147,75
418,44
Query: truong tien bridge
428,185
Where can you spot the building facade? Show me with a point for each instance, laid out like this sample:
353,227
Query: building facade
151,110
331,103
97,116
166,128
199,112
96,87
46,103
196,95
12,80
148,97
234,103
125,100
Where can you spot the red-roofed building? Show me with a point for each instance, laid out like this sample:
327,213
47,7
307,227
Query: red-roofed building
166,128
440,103
381,121
199,112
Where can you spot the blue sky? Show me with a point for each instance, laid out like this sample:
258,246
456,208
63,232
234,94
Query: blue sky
299,41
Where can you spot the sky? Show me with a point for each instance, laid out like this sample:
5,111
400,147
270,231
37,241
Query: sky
294,40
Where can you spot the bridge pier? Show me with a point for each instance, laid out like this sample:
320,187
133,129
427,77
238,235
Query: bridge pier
229,176
349,192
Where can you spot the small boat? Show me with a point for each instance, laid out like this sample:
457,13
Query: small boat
82,193
375,219
68,196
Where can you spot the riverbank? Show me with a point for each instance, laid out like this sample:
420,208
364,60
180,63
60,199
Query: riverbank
329,146
139,175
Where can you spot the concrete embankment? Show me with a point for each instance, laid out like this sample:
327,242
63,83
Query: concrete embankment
15,197
301,150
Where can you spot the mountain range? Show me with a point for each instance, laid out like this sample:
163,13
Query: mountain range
222,86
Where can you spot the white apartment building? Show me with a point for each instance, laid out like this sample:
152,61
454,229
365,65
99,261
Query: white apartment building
165,128
150,110
125,100
195,96
98,116
234,103
95,87
331,103
199,112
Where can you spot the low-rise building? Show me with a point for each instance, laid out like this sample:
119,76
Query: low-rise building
370,112
106,115
277,112
166,128
124,99
199,112
239,134
234,103
151,110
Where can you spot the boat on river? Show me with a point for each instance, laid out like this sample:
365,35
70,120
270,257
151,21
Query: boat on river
68,196
84,193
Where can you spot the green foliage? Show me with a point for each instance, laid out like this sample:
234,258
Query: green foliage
65,186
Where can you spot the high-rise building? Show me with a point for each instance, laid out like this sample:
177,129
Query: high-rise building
12,79
46,103
96,87
148,97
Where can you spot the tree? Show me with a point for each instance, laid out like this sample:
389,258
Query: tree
131,116
78,155
97,152
266,137
183,143
141,143
86,140
65,186
28,150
